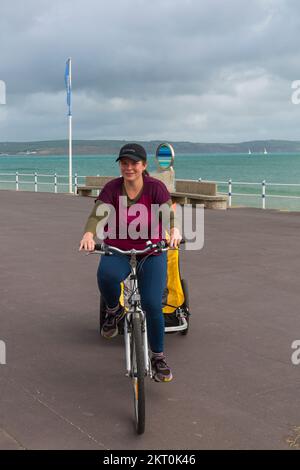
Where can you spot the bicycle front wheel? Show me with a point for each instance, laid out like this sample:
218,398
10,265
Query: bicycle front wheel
138,374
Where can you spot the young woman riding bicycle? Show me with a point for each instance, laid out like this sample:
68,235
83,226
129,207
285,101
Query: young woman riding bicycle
138,188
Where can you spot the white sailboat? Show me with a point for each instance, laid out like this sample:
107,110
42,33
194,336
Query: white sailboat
249,152
265,151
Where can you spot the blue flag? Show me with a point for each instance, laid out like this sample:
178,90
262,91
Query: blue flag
68,83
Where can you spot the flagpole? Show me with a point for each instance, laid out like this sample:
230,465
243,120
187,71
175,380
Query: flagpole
70,155
70,133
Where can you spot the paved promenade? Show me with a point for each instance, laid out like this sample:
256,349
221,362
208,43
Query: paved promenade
64,387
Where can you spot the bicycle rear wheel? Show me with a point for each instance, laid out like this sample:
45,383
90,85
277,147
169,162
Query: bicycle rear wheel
138,375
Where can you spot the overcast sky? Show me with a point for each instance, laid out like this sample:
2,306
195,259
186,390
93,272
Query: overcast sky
198,70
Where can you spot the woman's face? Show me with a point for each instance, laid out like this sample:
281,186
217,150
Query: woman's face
132,170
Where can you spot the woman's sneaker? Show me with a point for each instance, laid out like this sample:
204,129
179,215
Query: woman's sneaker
110,325
160,368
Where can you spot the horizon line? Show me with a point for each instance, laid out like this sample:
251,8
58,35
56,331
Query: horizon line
149,141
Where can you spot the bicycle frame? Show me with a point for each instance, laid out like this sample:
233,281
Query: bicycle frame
133,298
134,309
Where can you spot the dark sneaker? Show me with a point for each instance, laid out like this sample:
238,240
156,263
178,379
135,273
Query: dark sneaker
110,325
161,370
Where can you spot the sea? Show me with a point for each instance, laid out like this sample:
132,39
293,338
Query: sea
279,170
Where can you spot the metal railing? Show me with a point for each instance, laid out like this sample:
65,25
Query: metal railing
263,194
37,181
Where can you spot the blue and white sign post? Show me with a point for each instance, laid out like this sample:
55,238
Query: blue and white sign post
68,82
164,157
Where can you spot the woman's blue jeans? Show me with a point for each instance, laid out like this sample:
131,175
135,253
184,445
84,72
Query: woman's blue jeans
151,281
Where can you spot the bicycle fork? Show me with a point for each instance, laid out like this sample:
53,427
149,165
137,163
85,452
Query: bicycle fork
127,334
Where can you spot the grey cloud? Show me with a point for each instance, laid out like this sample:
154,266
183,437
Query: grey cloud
183,69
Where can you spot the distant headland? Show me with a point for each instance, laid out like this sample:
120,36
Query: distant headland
102,147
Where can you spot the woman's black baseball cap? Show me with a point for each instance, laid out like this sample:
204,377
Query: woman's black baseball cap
133,151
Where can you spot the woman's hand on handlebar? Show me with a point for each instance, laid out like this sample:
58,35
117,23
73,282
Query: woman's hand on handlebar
87,243
175,237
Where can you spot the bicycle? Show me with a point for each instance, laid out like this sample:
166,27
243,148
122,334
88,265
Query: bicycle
137,354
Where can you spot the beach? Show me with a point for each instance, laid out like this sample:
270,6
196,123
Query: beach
64,386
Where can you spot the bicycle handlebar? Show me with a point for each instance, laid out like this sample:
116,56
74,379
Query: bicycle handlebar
104,249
